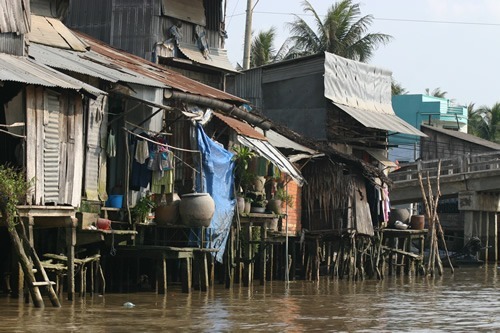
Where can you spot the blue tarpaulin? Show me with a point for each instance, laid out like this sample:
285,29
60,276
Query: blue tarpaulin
218,180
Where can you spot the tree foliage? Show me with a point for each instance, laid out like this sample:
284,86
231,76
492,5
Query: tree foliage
486,122
343,31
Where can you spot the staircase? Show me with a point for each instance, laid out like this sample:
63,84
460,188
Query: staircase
30,264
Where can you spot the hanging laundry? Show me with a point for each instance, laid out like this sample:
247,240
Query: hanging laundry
141,151
140,175
111,146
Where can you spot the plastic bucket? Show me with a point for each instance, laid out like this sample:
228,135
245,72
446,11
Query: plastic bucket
115,201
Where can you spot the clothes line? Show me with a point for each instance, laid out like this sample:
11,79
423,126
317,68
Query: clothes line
147,130
174,148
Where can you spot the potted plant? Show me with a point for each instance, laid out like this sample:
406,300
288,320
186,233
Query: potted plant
142,209
280,196
259,202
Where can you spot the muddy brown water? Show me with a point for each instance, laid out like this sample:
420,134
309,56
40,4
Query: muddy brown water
466,301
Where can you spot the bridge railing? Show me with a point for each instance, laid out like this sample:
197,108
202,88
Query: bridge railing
449,166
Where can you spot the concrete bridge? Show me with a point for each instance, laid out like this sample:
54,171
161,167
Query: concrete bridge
473,179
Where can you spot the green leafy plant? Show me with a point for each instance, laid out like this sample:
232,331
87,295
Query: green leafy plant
282,195
242,157
142,208
13,190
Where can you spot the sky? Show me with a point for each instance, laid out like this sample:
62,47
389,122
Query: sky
453,45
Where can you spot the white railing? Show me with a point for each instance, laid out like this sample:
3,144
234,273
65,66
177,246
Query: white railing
449,166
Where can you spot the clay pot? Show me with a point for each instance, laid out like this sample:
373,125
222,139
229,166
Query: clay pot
168,212
274,205
197,209
103,224
399,214
417,222
248,207
240,201
259,183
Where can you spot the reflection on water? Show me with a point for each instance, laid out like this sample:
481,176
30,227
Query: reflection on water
466,301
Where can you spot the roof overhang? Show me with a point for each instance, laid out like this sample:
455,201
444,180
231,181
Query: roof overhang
379,120
272,154
379,156
215,58
364,92
28,71
88,63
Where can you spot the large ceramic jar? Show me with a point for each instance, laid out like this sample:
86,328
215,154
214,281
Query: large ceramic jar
168,212
196,209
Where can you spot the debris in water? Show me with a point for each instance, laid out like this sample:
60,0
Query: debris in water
128,305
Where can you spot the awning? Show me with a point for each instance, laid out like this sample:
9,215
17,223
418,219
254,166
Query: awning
382,121
25,70
216,58
381,158
266,150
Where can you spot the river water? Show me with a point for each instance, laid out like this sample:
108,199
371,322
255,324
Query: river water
468,300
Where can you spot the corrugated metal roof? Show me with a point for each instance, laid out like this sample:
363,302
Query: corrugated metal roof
240,127
382,121
273,155
50,31
462,136
24,70
216,57
121,59
88,63
15,16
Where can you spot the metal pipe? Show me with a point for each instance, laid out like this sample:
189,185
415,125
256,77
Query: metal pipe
220,105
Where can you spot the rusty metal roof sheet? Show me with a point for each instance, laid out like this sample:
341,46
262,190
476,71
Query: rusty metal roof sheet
215,58
122,59
88,63
15,16
51,31
240,127
25,70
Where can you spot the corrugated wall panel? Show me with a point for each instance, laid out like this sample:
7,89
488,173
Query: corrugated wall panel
293,70
12,44
51,151
95,121
135,26
248,85
92,17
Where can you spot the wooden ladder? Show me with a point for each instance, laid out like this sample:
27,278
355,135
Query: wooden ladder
30,263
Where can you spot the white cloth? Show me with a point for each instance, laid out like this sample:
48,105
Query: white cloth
111,146
141,151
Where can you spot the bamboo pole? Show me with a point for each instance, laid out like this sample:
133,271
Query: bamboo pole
431,202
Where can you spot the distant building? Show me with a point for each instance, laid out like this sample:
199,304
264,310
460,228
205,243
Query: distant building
427,110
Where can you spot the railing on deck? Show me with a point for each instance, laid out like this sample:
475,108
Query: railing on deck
449,166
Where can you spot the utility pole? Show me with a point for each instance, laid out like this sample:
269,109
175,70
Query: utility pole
248,35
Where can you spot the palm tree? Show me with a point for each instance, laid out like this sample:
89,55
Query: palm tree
489,122
343,32
474,120
262,50
397,88
436,92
